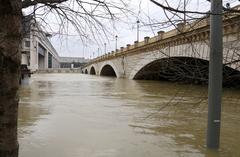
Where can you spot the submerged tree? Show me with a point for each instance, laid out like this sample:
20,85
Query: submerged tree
68,12
10,40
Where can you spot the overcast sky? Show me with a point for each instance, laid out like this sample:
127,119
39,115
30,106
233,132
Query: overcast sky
74,46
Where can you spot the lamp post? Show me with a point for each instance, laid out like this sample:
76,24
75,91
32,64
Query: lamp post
83,51
215,75
184,14
116,37
105,48
138,30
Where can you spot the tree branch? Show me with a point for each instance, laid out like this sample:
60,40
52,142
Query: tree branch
28,3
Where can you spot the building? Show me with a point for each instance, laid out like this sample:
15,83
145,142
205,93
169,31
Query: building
37,51
72,62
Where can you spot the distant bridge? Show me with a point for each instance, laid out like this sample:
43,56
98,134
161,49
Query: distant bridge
60,70
180,54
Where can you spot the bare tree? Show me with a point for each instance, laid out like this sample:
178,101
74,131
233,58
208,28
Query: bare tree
67,12
198,70
217,70
191,68
10,40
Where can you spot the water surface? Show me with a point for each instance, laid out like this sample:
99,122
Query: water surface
76,115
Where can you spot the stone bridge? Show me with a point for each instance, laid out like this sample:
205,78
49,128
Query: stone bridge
177,54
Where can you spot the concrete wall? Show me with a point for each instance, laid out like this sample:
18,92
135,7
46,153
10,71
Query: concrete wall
37,37
59,70
24,59
41,61
55,63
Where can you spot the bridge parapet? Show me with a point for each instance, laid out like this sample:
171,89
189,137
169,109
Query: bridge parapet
185,49
194,32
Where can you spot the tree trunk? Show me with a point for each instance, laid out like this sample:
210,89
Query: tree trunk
10,55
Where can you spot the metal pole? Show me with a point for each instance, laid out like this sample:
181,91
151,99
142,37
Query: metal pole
83,51
138,30
215,75
184,5
105,48
116,42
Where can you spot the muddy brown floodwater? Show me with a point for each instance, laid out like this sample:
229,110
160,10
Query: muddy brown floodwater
76,115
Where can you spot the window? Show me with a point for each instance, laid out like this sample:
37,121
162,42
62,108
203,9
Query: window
28,59
49,60
27,43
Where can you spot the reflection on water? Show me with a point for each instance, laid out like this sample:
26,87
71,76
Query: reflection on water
74,115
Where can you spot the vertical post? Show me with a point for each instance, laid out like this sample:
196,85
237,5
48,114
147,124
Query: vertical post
105,48
83,51
46,60
116,42
184,8
215,75
138,30
37,57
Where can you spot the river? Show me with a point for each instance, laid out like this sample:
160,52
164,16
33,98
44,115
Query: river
77,115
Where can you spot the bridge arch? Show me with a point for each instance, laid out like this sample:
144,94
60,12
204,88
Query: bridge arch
184,69
86,71
109,69
92,71
145,61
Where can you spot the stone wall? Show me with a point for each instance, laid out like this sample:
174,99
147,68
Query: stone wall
59,70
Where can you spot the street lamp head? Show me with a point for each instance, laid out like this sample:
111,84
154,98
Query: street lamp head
138,30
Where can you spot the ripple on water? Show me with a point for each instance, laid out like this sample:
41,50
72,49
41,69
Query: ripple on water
75,115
